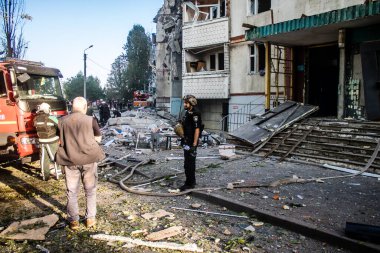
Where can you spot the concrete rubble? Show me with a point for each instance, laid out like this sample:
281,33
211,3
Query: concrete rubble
32,229
142,131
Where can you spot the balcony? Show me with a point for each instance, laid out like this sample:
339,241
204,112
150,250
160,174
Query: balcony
205,22
207,85
202,34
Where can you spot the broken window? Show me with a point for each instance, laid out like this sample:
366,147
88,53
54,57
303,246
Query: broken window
222,8
257,58
258,6
261,48
204,10
221,61
212,62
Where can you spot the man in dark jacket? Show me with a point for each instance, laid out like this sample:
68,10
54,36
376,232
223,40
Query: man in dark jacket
79,153
104,112
192,123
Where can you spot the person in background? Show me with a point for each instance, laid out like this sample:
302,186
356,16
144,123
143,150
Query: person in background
79,153
192,123
90,111
116,113
104,113
46,126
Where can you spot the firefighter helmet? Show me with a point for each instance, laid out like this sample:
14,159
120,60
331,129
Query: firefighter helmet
44,107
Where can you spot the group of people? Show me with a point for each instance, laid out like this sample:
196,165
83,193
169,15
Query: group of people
75,140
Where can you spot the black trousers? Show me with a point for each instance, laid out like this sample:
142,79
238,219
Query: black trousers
189,166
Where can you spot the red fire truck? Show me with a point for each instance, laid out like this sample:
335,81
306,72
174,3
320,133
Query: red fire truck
23,86
141,99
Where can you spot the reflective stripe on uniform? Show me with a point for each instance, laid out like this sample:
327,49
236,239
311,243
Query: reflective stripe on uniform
42,123
7,122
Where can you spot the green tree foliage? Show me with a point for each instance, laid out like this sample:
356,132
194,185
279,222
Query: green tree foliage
131,70
137,51
73,87
12,23
116,87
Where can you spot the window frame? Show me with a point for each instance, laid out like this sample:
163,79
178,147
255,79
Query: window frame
256,4
219,65
249,7
254,55
257,58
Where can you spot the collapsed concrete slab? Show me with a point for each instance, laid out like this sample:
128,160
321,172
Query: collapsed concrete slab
265,126
32,229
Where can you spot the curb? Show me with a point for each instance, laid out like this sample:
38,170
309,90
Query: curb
292,224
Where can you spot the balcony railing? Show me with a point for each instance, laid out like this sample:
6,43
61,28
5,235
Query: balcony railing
234,120
206,85
200,34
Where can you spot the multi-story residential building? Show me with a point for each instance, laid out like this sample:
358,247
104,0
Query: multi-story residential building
168,64
241,57
205,57
320,52
220,67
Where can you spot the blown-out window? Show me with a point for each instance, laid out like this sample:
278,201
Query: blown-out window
257,58
258,6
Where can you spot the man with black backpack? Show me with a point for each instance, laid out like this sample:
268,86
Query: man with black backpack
192,124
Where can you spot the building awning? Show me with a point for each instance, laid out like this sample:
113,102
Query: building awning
317,29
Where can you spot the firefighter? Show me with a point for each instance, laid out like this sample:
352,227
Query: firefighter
192,123
46,126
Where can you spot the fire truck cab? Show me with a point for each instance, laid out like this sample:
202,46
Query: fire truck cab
23,86
141,99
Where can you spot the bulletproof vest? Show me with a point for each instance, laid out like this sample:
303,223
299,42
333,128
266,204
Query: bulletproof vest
191,120
45,127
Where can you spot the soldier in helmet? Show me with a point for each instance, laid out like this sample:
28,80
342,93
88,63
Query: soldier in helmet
46,126
192,123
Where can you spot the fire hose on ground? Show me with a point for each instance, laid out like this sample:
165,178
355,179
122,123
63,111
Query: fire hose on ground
230,186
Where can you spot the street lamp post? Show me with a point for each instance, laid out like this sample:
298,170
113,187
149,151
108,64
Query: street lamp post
84,59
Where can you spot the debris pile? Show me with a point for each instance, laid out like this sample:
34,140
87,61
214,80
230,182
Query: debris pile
138,130
142,130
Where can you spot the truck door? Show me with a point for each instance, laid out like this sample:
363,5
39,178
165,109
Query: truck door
8,118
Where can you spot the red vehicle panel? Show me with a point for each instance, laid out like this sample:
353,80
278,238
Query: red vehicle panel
23,86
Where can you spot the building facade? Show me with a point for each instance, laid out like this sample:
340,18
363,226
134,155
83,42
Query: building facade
320,52
205,57
242,57
168,65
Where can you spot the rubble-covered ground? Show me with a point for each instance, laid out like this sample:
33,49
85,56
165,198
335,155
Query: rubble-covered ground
327,204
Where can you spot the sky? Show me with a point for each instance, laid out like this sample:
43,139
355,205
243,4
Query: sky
60,31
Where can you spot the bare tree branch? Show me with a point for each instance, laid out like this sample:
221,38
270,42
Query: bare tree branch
12,24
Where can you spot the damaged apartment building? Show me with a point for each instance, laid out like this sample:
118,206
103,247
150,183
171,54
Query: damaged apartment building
324,53
243,57
168,43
